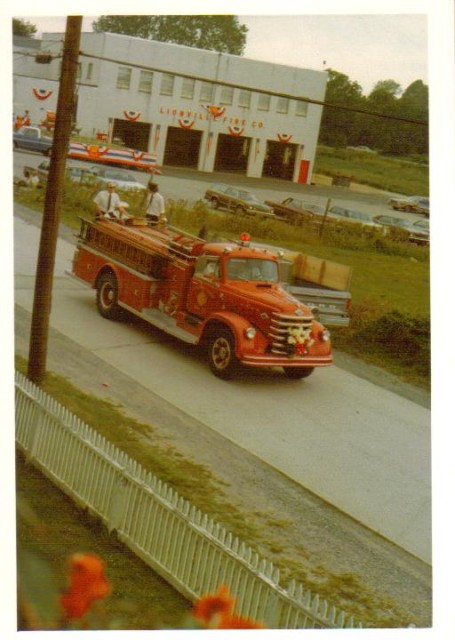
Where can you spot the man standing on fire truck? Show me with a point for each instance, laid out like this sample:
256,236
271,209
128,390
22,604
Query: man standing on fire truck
155,204
108,204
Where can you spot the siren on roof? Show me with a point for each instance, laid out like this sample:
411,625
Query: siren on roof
245,239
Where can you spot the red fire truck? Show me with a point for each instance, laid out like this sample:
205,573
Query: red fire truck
224,296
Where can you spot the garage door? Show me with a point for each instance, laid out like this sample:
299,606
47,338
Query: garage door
232,153
279,160
182,147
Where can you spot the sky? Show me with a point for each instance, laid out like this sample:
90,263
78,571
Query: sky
364,47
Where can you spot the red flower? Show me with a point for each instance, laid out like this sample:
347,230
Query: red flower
215,612
237,622
87,584
219,604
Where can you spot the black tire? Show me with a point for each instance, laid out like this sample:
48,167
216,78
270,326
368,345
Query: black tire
214,203
107,296
221,353
297,373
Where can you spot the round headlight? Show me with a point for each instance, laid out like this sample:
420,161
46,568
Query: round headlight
250,333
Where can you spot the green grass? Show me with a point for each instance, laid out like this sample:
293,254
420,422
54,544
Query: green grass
51,528
389,174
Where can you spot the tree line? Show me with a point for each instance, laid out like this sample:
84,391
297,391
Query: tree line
347,118
389,134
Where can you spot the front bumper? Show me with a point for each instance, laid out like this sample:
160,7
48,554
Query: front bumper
274,361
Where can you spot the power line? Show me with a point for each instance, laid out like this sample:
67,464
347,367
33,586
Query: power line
321,103
289,96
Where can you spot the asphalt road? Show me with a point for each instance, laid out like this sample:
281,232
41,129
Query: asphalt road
190,185
358,446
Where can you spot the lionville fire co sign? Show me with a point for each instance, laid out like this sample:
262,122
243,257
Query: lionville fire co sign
189,117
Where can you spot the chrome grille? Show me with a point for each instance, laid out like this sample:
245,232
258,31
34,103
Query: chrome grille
279,330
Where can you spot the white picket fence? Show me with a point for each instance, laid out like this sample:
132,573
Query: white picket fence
193,553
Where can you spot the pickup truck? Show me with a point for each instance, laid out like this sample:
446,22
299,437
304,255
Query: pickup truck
32,139
322,285
291,210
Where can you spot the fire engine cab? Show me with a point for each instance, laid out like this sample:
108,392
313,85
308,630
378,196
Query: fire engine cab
224,296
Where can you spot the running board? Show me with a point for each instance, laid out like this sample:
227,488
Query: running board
163,322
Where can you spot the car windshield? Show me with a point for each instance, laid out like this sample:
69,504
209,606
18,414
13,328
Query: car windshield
252,269
119,177
315,208
246,195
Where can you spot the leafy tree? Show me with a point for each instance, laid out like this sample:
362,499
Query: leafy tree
338,127
413,104
345,127
216,33
381,132
387,86
22,27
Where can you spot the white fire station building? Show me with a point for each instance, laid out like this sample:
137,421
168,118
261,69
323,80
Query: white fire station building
193,108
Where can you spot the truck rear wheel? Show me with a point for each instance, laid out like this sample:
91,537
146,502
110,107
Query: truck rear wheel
297,373
107,296
221,353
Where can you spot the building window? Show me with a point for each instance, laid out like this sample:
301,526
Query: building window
123,78
146,81
282,105
79,70
207,92
89,70
264,102
188,85
167,84
301,108
227,95
245,99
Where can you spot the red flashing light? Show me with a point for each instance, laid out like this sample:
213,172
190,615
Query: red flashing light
244,238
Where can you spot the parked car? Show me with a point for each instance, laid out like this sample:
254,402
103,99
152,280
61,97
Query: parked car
419,232
315,209
358,217
73,172
236,200
417,204
362,147
391,222
32,139
292,210
123,179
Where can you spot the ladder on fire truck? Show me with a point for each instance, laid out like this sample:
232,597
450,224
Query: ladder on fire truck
140,246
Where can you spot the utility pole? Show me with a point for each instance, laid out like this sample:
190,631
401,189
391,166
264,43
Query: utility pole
52,202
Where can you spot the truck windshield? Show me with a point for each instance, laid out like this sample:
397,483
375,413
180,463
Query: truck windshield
252,269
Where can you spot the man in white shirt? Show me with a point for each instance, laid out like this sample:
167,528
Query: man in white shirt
108,203
155,204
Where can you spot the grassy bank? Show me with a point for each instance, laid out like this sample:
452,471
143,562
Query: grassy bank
51,528
137,601
389,174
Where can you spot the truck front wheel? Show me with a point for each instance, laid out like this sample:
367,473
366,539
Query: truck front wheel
107,296
221,353
297,373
